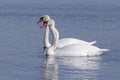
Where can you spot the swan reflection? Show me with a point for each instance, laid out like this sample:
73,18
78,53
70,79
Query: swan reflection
83,63
71,67
50,69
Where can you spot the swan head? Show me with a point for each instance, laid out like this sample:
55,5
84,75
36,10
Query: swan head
44,18
50,23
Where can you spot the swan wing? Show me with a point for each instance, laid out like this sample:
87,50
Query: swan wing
71,41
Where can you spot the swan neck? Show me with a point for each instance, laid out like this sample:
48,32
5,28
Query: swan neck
55,36
46,37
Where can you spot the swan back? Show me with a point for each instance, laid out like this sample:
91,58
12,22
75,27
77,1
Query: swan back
70,41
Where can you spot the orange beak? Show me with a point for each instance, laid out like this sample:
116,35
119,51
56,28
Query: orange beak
44,24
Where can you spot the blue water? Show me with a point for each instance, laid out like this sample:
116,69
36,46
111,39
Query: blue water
21,39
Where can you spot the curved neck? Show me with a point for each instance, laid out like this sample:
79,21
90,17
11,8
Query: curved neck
55,36
46,37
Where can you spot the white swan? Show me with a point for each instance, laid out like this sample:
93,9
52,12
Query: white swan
61,42
76,49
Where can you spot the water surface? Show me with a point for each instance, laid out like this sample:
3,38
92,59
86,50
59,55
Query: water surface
21,40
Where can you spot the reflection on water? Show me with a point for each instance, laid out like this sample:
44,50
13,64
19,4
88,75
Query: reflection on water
71,67
83,63
50,69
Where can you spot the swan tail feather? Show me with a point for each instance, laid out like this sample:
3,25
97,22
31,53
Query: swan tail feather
93,42
104,50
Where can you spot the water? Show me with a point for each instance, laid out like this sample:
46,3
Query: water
21,40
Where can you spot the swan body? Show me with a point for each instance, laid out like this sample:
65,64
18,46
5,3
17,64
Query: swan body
69,46
78,50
